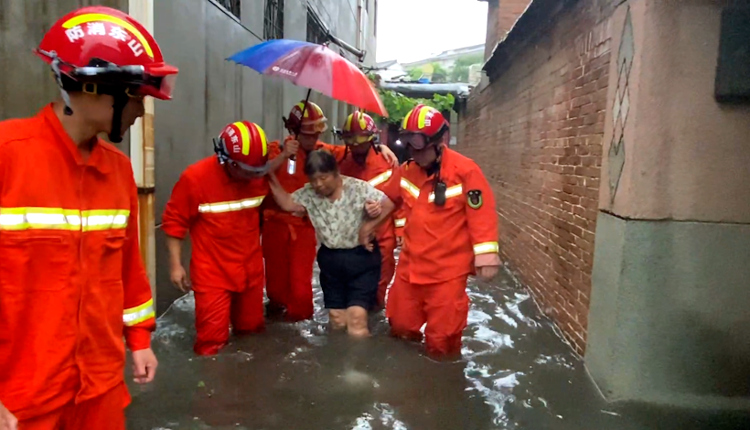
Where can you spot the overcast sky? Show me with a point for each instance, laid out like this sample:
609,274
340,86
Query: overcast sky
410,30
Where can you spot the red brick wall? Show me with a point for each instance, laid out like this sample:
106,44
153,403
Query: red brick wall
501,15
508,13
536,131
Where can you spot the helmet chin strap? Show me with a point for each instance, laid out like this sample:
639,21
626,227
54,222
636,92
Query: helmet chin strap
434,167
119,94
58,77
121,99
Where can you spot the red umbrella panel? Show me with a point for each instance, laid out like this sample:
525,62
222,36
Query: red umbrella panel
314,66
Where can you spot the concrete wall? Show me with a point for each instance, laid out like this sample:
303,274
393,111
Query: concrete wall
536,131
670,279
197,36
26,83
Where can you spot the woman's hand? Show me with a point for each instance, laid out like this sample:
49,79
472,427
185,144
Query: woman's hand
366,235
373,208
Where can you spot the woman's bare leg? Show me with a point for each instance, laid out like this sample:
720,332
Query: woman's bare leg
337,318
356,322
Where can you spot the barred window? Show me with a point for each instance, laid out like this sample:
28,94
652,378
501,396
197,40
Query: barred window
232,6
315,32
273,20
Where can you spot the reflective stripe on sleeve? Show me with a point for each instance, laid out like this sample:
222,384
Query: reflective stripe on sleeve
138,314
381,178
453,191
486,248
410,188
30,218
399,222
237,205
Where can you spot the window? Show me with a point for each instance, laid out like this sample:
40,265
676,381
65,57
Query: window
362,19
233,6
315,32
273,20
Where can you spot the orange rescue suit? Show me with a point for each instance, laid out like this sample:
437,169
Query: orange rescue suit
441,246
222,216
72,282
289,244
378,172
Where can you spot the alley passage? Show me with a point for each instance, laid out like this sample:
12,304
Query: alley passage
516,374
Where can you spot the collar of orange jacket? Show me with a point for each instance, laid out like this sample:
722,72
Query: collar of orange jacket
96,158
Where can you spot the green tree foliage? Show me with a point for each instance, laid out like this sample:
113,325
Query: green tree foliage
439,74
460,71
398,105
415,73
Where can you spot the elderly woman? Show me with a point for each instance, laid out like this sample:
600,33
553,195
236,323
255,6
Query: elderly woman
345,213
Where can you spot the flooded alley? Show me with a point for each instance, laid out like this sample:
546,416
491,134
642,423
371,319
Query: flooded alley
516,374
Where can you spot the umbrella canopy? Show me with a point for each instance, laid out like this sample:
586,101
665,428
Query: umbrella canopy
313,66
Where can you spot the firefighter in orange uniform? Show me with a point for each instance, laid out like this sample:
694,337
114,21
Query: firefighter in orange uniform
450,232
289,244
72,282
217,201
363,162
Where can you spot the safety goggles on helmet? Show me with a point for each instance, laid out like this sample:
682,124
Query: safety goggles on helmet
357,139
135,77
415,141
220,148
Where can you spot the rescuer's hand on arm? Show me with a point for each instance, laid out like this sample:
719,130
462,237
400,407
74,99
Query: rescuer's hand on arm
389,156
282,198
144,366
369,227
7,420
177,273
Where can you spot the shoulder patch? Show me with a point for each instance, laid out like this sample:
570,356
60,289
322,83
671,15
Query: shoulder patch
475,200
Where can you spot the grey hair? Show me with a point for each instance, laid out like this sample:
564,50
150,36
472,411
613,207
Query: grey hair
320,161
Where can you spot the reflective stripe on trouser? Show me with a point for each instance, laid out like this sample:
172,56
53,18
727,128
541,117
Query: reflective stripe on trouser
444,307
387,266
289,259
31,218
217,308
103,412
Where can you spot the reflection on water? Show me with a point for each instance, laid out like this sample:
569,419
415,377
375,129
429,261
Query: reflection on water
515,374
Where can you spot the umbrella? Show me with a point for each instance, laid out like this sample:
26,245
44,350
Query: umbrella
313,66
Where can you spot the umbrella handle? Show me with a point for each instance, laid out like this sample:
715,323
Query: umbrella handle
292,163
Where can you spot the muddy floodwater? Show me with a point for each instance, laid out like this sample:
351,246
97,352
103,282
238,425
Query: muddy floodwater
516,373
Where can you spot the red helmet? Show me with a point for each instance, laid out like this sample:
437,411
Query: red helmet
359,128
243,144
422,127
102,45
314,121
424,120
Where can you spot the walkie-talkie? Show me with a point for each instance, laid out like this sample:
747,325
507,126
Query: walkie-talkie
440,189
